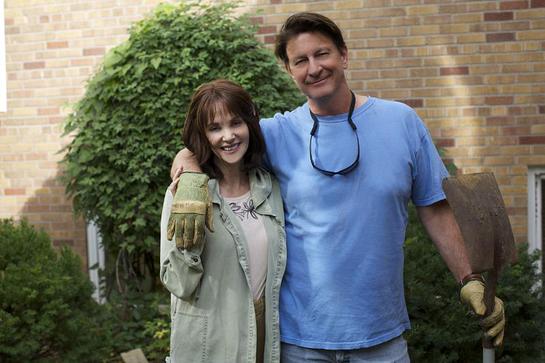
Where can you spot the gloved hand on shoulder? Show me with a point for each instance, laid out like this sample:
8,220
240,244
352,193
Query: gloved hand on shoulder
191,210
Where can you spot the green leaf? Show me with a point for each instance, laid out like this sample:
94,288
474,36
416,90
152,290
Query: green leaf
155,62
85,156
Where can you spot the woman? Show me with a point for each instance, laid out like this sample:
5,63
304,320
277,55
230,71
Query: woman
225,291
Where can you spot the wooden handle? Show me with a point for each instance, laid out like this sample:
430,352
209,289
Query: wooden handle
489,301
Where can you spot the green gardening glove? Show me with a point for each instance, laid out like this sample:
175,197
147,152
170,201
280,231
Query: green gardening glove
191,210
472,294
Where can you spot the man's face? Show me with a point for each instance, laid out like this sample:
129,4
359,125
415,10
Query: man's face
316,65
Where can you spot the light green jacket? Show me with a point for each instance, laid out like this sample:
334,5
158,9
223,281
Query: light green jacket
213,318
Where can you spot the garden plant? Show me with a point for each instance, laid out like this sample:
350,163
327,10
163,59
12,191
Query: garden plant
47,313
127,127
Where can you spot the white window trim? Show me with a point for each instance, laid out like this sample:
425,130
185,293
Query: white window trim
3,82
536,180
95,259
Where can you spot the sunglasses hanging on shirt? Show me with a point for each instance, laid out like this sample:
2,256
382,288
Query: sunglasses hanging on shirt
352,166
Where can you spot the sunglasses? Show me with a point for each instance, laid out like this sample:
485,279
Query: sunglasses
354,164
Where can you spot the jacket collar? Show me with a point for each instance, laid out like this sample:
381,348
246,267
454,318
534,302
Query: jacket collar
260,189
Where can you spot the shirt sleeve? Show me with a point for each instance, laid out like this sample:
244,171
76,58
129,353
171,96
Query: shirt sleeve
269,128
181,270
428,173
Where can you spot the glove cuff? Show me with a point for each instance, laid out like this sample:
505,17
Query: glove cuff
190,179
471,277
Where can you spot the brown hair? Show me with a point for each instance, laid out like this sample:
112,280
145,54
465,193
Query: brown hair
207,100
306,22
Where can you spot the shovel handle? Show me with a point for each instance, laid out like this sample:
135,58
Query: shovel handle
489,301
489,353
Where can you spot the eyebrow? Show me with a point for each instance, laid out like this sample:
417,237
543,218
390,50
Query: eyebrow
234,118
321,49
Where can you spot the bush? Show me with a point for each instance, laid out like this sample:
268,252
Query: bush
139,321
126,130
443,330
47,313
127,127
158,329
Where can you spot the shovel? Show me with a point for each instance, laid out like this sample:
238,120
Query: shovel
480,212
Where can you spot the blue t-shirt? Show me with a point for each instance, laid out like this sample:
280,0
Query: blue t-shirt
343,285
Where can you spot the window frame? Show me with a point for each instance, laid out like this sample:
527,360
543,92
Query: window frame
536,185
96,260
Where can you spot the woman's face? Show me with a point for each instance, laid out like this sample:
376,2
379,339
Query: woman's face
229,138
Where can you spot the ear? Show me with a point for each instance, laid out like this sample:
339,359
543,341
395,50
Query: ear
344,57
288,69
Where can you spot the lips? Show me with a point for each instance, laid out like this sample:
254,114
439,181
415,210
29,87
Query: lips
230,148
316,82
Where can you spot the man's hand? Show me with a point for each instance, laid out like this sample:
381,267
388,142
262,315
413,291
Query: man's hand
191,210
186,159
472,294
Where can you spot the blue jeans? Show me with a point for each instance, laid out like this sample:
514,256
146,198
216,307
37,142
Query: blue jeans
393,351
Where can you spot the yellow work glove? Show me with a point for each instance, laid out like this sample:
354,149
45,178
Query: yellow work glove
472,294
191,210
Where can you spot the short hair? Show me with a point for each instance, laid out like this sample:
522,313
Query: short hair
306,22
205,103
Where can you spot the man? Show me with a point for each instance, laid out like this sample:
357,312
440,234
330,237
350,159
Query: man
348,165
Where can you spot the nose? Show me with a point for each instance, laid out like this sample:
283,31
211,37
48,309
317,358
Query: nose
228,135
314,67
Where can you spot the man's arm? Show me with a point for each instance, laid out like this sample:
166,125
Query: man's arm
185,159
438,220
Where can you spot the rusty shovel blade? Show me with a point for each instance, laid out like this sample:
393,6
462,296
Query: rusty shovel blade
480,212
478,207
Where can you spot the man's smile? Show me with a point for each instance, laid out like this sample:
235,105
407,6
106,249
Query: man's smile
312,82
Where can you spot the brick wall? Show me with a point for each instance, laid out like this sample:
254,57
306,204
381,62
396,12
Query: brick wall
52,47
473,70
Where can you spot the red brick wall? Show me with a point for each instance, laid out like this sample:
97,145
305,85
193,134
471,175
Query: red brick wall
52,48
473,70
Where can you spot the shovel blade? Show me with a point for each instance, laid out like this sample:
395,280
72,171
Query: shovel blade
480,212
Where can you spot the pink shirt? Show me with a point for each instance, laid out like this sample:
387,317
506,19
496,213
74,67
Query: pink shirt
254,231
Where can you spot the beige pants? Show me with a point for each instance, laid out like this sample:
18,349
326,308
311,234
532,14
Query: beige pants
259,307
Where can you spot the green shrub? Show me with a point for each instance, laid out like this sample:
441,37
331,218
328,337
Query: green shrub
127,127
443,330
158,329
137,321
126,130
47,313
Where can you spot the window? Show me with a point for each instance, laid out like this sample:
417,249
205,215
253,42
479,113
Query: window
536,212
95,259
